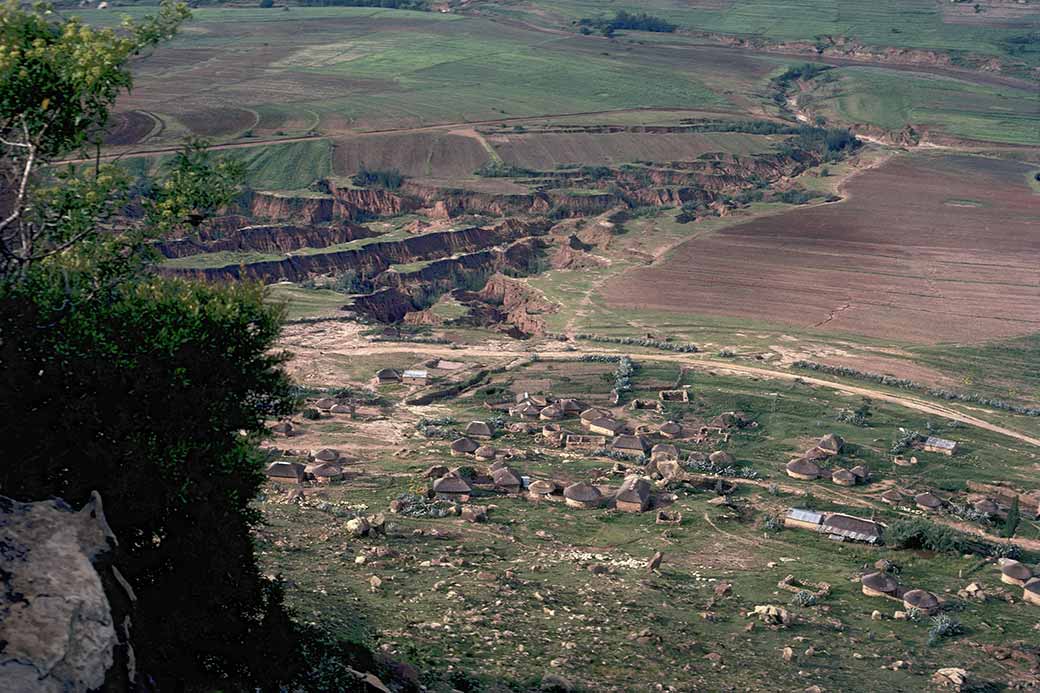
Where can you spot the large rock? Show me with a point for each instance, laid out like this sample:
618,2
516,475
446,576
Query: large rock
56,621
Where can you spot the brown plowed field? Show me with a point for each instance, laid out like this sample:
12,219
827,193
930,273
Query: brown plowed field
128,127
437,154
925,249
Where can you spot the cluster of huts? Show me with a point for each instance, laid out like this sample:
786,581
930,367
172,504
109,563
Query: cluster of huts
325,466
806,468
1021,575
882,584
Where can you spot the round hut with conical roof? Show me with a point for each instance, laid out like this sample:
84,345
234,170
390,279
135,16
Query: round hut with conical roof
327,473
582,495
878,584
634,495
922,600
664,451
284,428
541,489
452,487
1015,573
325,403
986,507
485,452
463,446
326,455
670,429
927,501
803,469
862,473
721,458
843,477
892,497
1031,592
832,444
508,479
478,429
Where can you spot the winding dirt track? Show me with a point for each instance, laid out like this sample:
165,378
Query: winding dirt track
706,363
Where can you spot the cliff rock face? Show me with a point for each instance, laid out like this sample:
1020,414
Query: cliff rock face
57,628
264,239
305,210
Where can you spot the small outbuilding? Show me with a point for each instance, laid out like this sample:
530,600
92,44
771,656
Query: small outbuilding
634,495
286,472
1015,573
540,489
527,411
435,472
939,445
892,497
592,414
326,455
922,600
878,584
572,407
327,473
485,452
862,473
803,469
986,507
342,409
284,428
463,446
927,501
552,412
841,526
798,518
582,495
478,429
325,403
415,377
452,487
721,458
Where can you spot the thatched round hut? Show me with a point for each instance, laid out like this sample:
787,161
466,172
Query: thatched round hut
892,497
878,584
831,444
478,429
1015,573
435,472
722,458
582,495
325,403
803,469
927,501
342,409
287,472
663,452
508,479
326,455
540,489
922,600
452,487
463,446
1031,592
485,452
327,473
284,428
633,496
843,477
553,412
862,473
671,430
986,507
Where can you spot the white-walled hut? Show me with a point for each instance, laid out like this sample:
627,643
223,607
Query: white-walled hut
593,413
1031,592
582,495
606,426
552,412
799,518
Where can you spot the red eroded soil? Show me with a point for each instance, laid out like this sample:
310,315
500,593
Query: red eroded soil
925,249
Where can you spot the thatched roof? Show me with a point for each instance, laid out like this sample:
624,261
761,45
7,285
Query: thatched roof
388,374
451,483
486,452
861,471
631,443
879,582
479,429
721,458
1033,586
283,427
843,476
927,500
634,489
1016,570
592,413
664,451
326,455
803,467
286,470
528,411
670,429
607,423
852,527
435,472
342,409
892,496
922,599
464,445
552,412
582,492
831,443
543,487
327,471
572,406
986,506
505,476
325,403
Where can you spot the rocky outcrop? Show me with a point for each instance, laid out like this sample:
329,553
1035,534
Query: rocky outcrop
57,626
510,301
280,238
298,209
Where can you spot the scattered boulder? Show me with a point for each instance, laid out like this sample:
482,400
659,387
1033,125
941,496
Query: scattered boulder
359,527
954,678
474,513
773,615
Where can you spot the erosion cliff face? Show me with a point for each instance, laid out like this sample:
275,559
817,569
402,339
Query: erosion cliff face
304,210
279,238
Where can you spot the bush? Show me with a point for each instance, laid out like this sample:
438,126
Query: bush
803,598
391,179
944,626
266,4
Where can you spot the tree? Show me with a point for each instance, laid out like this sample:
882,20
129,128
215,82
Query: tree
150,390
1013,518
